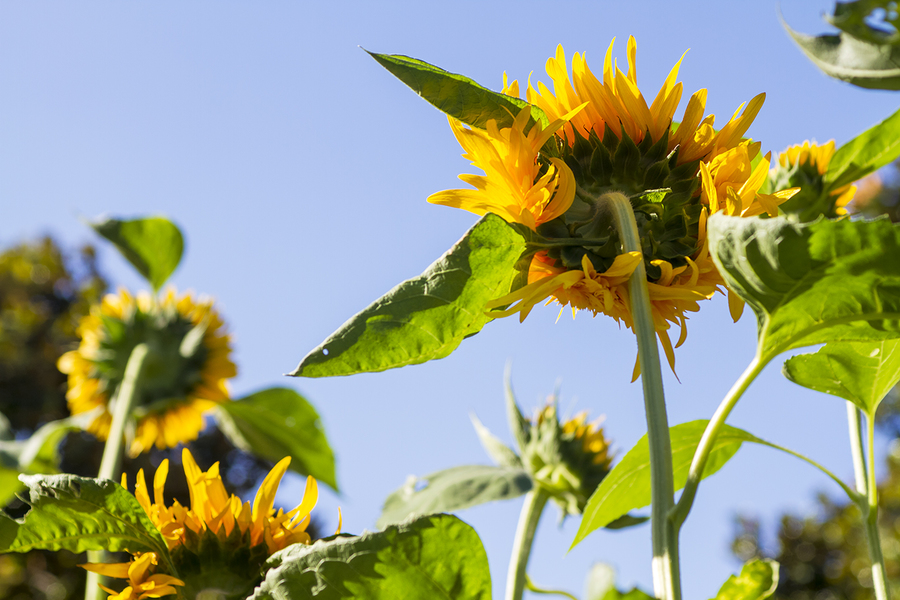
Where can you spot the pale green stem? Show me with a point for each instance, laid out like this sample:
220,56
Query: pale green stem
529,585
708,440
873,537
111,463
857,448
666,574
535,500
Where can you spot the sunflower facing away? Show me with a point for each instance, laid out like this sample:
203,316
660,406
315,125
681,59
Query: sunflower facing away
184,373
218,545
604,137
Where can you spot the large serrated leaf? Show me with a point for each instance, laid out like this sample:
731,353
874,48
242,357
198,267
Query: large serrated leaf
153,245
427,317
861,372
433,558
865,154
757,581
627,486
454,489
845,57
457,95
77,514
812,283
279,422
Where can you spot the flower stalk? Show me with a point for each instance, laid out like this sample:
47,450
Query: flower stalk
111,462
666,573
516,579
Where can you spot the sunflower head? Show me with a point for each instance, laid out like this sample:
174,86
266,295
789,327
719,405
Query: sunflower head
567,458
218,544
184,374
605,138
804,166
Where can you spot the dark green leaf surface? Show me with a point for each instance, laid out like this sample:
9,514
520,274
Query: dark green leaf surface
279,422
153,245
757,581
457,95
627,486
865,154
499,452
453,489
77,514
861,372
427,317
812,283
845,57
433,558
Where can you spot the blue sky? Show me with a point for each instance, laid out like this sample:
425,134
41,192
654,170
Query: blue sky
298,169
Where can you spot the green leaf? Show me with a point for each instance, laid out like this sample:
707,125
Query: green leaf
77,514
153,245
37,454
865,154
757,581
499,452
436,557
861,372
457,95
627,486
425,318
279,422
845,57
626,522
812,283
453,489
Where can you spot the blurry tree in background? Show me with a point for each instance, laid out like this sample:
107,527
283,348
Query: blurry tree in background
825,556
44,292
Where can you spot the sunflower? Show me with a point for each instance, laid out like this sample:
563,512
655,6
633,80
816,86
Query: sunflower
804,165
218,543
603,137
184,374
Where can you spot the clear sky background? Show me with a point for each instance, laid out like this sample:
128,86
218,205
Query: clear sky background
298,169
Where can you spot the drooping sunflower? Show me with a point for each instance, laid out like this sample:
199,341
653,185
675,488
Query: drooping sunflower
184,374
804,165
603,137
218,544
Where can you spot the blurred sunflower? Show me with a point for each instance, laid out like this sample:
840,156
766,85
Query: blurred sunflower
603,137
184,374
219,544
804,165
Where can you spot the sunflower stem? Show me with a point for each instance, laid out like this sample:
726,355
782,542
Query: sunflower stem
535,500
111,463
870,506
666,573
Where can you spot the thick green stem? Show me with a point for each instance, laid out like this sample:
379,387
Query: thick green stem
857,448
535,500
708,440
111,463
873,537
666,574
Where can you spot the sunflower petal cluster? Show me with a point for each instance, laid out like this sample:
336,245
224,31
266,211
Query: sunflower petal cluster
218,543
804,166
603,136
185,373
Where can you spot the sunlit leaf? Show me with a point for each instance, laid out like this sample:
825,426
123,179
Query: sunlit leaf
499,452
77,514
627,486
435,557
454,489
457,95
153,245
279,422
757,581
427,317
865,154
861,372
37,454
812,283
